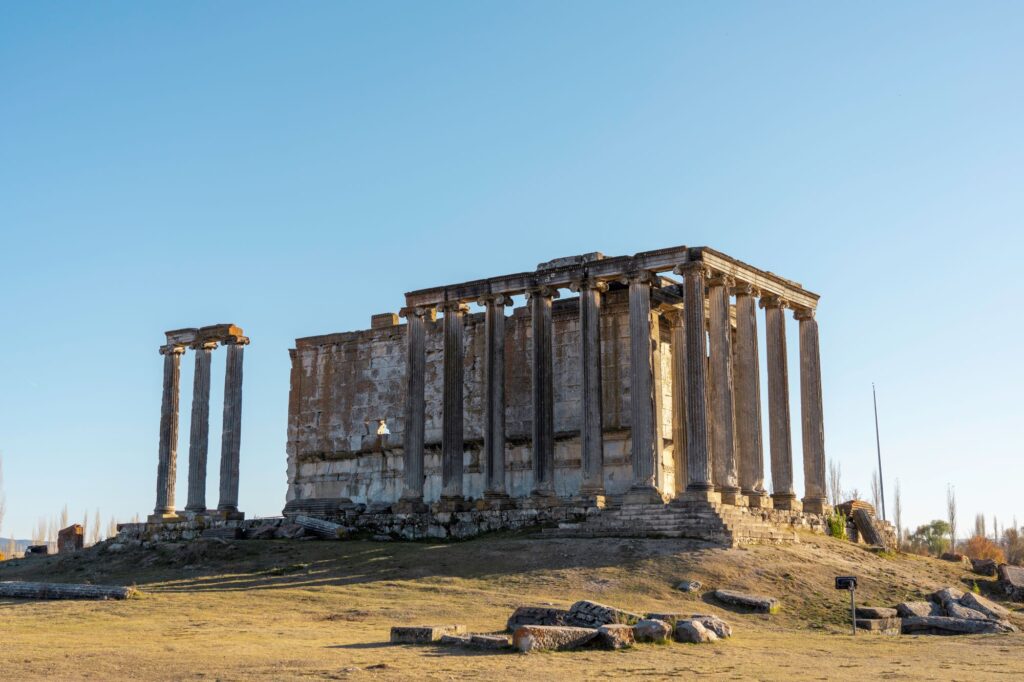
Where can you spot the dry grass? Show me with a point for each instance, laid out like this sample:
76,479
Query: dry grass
286,610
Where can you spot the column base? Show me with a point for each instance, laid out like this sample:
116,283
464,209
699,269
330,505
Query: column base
758,499
701,495
816,505
786,502
591,497
227,514
541,498
494,501
410,505
451,503
643,494
734,497
165,517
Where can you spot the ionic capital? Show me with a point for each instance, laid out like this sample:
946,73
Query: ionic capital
745,289
802,314
588,284
721,280
773,301
172,349
454,307
542,291
428,312
203,344
641,276
235,340
693,268
500,300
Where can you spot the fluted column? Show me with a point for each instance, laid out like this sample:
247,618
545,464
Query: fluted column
749,446
230,444
722,425
698,461
543,392
677,326
167,463
494,401
415,408
591,420
643,432
783,496
199,434
811,414
452,449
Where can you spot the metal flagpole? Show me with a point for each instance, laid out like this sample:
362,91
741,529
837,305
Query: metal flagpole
878,445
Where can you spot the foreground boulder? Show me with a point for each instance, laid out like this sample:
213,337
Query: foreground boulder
693,632
589,614
715,625
423,634
944,625
1011,578
688,585
957,610
988,607
956,558
919,609
652,630
750,601
615,636
536,615
551,638
984,566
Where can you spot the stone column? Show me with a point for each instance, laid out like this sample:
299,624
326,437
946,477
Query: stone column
811,414
677,325
199,435
722,425
591,420
643,432
494,402
749,448
415,408
783,496
230,443
167,464
452,450
543,393
699,484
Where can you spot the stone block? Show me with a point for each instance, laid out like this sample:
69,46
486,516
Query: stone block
551,638
749,601
875,612
882,626
956,557
590,614
942,625
956,610
1011,578
716,625
986,606
688,585
693,632
984,566
919,609
70,539
652,630
946,594
615,636
423,634
489,642
536,615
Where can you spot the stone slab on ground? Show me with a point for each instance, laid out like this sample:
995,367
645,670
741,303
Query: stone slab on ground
615,636
946,594
1011,578
984,566
882,626
944,625
454,640
652,630
423,634
30,590
589,614
872,612
919,609
750,601
688,585
956,558
979,603
693,632
536,615
319,527
489,642
551,637
958,610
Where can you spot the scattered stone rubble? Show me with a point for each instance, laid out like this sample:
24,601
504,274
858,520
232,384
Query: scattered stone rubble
948,611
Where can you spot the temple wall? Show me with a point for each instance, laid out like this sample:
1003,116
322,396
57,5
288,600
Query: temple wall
342,384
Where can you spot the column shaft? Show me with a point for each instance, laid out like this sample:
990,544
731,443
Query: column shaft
722,426
811,414
167,463
643,432
698,460
543,393
591,420
750,450
678,327
199,434
231,436
494,403
415,406
778,404
452,449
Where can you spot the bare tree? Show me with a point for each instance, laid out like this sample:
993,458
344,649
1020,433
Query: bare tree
12,548
835,485
63,523
96,529
899,516
85,525
876,492
995,528
112,527
979,525
951,516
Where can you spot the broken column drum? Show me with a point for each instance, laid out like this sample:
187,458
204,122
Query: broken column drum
567,399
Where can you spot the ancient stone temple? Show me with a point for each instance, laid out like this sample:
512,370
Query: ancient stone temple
623,381
203,341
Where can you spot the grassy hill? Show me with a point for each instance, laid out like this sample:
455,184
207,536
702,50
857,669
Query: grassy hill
289,609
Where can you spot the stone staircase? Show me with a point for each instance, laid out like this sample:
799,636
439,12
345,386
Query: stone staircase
722,525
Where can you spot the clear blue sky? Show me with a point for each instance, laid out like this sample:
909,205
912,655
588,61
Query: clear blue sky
296,168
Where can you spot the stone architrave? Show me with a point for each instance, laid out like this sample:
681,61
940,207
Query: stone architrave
811,414
721,399
543,392
749,446
643,431
415,405
781,446
231,435
452,437
677,325
698,461
591,419
167,464
494,402
199,434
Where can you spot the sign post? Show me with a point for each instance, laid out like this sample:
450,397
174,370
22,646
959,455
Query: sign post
849,582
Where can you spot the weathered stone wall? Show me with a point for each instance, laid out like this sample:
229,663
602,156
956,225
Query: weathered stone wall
343,384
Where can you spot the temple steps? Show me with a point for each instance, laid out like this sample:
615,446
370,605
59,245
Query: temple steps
690,520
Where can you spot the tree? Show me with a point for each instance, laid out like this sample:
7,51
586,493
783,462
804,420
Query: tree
96,529
112,527
980,547
951,516
898,511
835,486
930,538
979,526
63,518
